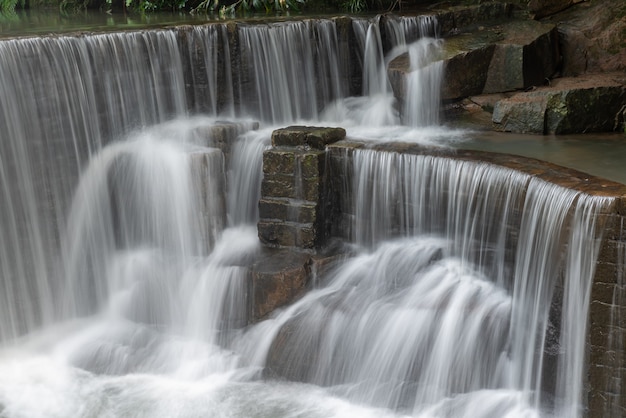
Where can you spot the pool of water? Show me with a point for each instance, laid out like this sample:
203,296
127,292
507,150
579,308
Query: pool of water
602,155
52,21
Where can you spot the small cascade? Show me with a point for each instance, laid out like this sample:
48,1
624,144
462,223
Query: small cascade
614,352
416,36
423,93
580,265
280,70
374,73
484,194
419,37
136,195
460,202
246,174
404,30
211,71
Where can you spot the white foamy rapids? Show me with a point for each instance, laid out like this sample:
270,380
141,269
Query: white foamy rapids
407,328
463,201
245,176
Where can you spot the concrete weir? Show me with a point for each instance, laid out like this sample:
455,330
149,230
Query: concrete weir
307,203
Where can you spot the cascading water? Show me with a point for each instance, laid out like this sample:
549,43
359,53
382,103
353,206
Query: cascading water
126,237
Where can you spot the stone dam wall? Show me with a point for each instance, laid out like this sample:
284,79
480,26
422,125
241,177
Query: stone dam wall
306,207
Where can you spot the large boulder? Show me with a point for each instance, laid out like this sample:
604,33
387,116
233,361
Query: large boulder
593,37
527,55
506,57
466,59
466,64
593,103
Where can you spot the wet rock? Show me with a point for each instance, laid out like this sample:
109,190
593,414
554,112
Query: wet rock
465,72
521,113
290,357
592,37
221,135
307,136
543,8
209,195
295,200
276,279
527,55
458,17
465,66
570,105
511,56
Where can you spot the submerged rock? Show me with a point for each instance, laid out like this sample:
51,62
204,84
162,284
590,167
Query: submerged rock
571,105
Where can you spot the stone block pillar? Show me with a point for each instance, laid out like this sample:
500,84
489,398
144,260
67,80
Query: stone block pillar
294,200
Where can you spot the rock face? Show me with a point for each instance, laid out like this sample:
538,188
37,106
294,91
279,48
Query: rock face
543,8
276,279
584,104
526,56
466,71
506,57
593,35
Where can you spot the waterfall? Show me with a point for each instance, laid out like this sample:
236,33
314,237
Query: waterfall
211,72
62,98
280,70
460,202
129,227
423,84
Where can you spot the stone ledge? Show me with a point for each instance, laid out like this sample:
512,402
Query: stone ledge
275,280
307,136
278,277
591,103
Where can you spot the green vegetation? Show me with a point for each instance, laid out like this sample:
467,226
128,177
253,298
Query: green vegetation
244,6
9,6
222,7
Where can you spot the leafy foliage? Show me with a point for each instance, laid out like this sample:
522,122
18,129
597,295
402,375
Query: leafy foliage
354,6
9,6
248,6
225,8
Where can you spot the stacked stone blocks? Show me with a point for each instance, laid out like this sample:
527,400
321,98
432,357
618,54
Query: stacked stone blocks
294,193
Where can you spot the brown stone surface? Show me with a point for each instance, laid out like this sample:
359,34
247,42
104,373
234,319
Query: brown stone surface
221,135
279,161
465,73
276,279
307,136
288,210
543,8
522,114
494,59
593,37
590,103
527,55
